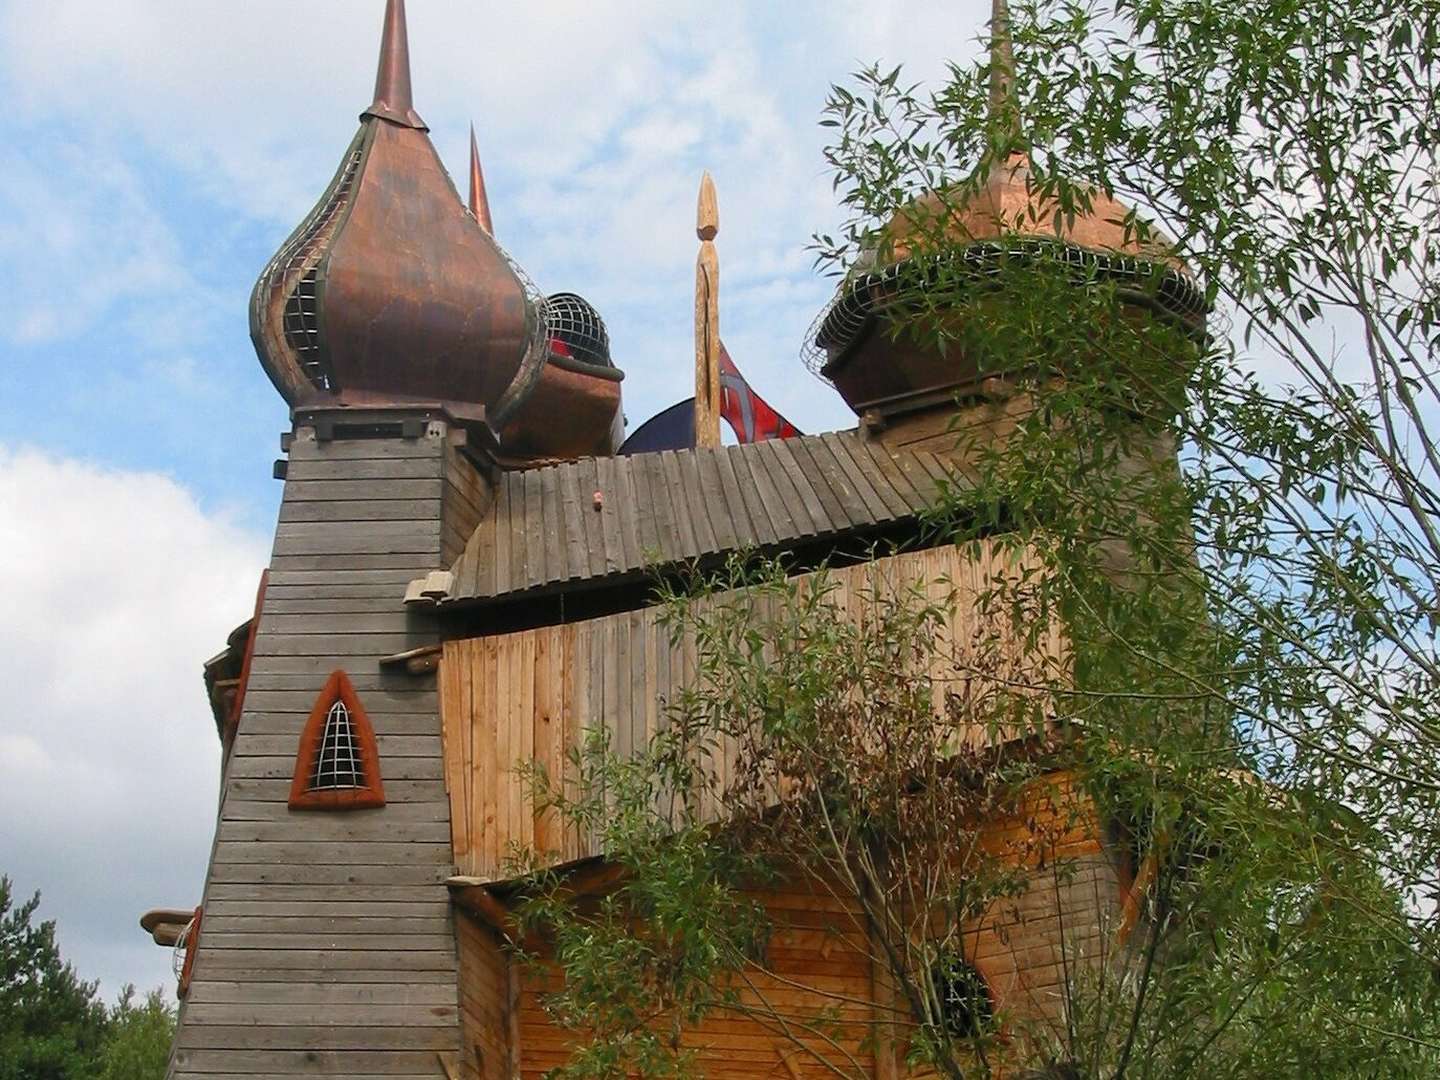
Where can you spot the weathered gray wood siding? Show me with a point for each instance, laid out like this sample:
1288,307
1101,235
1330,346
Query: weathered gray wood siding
549,532
328,946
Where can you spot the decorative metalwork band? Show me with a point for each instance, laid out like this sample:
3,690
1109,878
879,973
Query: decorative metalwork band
1141,281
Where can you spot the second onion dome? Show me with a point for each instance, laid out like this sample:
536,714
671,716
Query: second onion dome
970,231
574,409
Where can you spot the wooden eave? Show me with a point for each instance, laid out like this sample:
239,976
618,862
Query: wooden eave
603,521
222,674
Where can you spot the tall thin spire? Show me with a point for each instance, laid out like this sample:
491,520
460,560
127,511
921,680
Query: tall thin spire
393,98
479,201
1003,105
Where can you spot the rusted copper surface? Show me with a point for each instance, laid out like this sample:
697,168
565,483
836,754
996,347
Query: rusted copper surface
479,201
568,415
391,292
393,96
1009,205
879,371
418,301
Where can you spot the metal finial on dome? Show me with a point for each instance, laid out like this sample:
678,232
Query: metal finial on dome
394,100
479,201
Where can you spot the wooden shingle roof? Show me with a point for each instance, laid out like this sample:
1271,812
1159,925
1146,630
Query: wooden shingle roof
606,518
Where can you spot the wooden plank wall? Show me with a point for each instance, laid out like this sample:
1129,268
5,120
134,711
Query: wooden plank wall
486,1006
466,497
822,957
1069,913
328,946
817,965
531,697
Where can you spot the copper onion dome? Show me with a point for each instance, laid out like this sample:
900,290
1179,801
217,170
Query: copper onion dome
390,291
1007,203
1006,216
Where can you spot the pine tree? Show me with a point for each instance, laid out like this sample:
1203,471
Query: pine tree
51,1023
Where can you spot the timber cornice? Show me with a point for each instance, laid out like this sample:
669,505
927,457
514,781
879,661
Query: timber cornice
600,522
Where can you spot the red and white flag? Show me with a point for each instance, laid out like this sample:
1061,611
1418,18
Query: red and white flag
749,415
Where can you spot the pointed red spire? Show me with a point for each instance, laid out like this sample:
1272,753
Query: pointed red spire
393,99
479,202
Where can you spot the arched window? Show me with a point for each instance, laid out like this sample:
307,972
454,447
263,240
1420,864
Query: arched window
966,1008
337,766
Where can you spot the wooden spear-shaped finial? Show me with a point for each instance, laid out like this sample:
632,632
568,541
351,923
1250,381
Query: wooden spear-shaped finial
707,318
479,201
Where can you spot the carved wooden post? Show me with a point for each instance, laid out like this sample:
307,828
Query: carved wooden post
707,318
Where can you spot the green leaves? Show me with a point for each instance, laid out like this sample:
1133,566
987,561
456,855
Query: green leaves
1271,592
52,1027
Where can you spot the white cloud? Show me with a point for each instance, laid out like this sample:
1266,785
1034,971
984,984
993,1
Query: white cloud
595,121
117,587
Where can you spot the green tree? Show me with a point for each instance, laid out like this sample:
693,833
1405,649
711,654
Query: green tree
51,1024
137,1039
1235,528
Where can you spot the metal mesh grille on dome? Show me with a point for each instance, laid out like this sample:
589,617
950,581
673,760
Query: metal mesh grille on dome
297,262
576,330
302,326
1143,281
537,344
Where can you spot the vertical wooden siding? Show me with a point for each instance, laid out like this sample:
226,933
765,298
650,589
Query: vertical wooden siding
531,696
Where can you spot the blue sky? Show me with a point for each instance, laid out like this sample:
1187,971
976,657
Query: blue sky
153,155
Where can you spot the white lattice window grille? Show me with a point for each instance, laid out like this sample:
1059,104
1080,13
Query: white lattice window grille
338,764
181,951
966,1009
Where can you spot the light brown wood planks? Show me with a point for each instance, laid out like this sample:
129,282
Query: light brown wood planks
619,673
818,964
484,1002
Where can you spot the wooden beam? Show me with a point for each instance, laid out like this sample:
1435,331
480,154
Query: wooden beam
419,661
707,318
477,899
165,925
476,895
590,879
